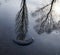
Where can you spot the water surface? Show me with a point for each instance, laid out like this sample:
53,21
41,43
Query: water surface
44,44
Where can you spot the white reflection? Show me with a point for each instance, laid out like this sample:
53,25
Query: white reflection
56,11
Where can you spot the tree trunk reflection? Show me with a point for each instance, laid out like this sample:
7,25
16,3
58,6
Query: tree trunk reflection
22,21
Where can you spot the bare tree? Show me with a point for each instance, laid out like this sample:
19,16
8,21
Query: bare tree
47,24
22,26
22,21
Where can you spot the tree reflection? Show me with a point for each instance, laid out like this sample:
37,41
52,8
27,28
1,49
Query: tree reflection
45,22
22,21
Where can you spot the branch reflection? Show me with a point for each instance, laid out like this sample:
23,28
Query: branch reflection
22,21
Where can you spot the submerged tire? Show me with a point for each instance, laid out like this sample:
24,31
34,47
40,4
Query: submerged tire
23,42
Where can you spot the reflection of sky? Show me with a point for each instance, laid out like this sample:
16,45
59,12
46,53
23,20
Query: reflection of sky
56,11
34,4
31,4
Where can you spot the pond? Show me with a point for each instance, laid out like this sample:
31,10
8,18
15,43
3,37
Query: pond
44,44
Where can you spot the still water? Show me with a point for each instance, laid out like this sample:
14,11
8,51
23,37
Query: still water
44,44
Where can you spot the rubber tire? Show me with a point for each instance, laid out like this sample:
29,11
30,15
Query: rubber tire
23,42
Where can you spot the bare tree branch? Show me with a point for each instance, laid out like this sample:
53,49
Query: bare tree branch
40,9
48,12
22,21
47,23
